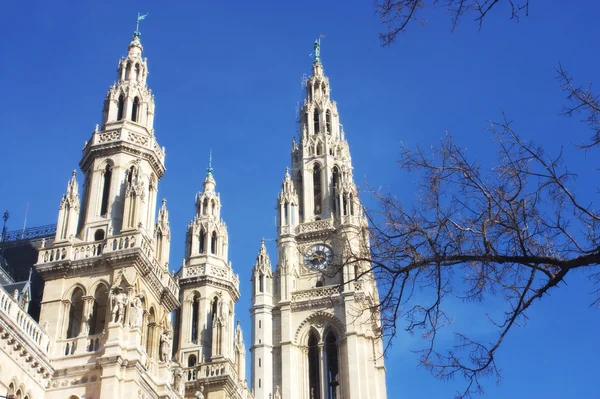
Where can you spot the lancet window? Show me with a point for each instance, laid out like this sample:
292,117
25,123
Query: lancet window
75,313
335,180
98,319
213,243
313,367
317,193
316,121
323,367
195,318
120,107
328,121
135,108
105,190
202,240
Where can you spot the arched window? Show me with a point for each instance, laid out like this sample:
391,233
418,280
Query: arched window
328,121
105,190
215,307
205,206
98,319
314,387
120,107
316,121
192,360
332,367
319,148
261,282
317,188
128,71
99,235
300,195
213,243
213,208
75,313
285,213
135,109
352,204
335,180
137,72
130,174
195,318
202,239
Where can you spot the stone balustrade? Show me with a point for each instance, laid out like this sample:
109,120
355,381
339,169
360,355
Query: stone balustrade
211,370
77,251
314,293
10,310
223,272
131,133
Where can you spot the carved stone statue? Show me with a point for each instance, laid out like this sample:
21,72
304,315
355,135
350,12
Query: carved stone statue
179,381
119,301
136,313
165,346
277,393
199,394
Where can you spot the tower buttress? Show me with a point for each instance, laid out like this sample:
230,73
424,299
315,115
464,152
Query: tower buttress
262,325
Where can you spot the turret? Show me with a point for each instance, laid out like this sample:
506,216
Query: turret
262,324
68,213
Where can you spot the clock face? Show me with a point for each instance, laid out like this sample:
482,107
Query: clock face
318,257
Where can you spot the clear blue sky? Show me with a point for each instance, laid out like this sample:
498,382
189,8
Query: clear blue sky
226,76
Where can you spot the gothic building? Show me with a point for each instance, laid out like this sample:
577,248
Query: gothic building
115,323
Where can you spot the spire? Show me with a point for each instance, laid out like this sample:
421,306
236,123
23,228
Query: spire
209,181
288,193
263,263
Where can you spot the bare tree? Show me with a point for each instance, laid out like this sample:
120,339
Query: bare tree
396,15
515,230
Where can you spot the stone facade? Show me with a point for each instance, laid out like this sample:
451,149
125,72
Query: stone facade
114,323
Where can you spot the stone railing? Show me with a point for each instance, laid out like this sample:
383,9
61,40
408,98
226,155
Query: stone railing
10,310
317,225
224,272
77,251
131,133
211,370
314,293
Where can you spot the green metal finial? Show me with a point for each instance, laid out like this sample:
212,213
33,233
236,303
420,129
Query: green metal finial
209,170
137,32
317,49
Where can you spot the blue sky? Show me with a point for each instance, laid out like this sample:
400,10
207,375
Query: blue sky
226,76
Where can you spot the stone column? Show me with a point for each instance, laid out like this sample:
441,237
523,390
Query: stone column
88,310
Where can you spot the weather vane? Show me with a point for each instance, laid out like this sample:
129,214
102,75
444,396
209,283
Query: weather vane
317,48
137,25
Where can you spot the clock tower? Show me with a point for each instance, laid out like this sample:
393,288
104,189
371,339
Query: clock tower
325,340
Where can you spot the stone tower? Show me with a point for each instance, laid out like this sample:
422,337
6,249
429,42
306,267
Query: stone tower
325,339
108,293
210,345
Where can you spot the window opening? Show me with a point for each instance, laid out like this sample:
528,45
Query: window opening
317,189
105,191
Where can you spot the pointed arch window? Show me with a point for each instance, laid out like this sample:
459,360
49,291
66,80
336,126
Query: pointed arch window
285,213
120,107
105,190
98,319
261,282
314,387
75,313
300,195
205,206
202,239
316,121
328,121
335,181
195,318
135,109
317,194
332,366
137,71
213,243
128,71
